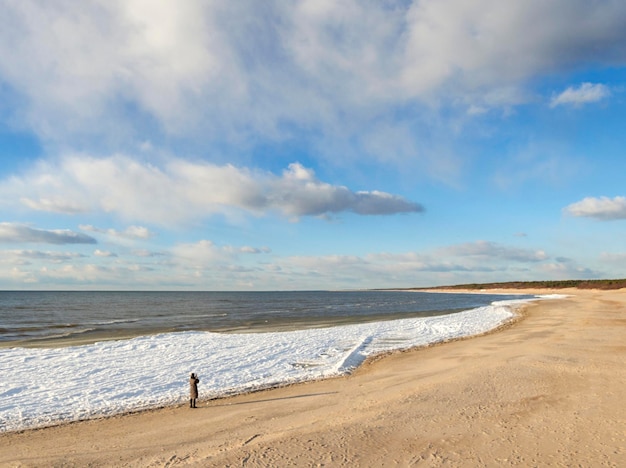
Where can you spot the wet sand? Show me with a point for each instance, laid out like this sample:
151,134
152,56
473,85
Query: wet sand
548,390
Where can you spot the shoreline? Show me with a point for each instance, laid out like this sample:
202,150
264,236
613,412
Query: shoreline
75,332
445,387
114,379
518,311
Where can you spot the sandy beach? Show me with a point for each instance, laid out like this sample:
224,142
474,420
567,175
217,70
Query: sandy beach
548,390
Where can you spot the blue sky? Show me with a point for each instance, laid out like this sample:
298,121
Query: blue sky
310,144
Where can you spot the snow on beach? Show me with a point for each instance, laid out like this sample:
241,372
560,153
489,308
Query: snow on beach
40,387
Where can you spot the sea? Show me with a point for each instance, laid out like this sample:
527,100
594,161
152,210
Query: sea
68,356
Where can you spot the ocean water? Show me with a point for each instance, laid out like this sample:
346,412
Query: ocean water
236,342
46,318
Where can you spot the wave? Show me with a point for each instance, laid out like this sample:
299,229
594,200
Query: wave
26,328
113,322
221,314
70,334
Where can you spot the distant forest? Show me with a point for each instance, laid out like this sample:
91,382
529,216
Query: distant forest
579,284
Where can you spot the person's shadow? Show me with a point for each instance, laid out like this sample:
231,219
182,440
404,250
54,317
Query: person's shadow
273,399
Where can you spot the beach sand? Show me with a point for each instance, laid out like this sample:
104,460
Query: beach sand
548,390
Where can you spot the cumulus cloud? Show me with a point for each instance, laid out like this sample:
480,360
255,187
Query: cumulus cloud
19,233
602,208
584,94
183,190
298,192
219,70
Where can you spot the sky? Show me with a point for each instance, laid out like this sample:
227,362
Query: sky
313,144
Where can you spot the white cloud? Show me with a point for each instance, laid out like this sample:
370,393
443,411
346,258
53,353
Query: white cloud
206,254
584,94
254,250
495,251
86,275
79,63
223,71
181,191
137,232
566,270
19,233
479,261
614,258
147,253
131,232
300,193
602,208
104,253
54,205
27,256
208,265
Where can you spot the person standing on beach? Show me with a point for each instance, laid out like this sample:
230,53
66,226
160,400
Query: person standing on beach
193,390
